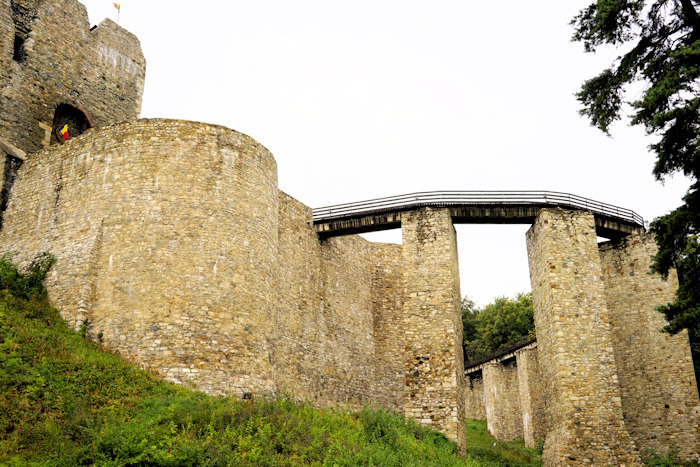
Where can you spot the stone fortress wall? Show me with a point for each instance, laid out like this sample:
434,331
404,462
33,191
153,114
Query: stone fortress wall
658,389
191,261
601,369
177,249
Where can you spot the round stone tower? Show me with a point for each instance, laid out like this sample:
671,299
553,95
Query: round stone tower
166,238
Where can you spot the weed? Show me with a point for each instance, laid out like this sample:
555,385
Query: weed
653,458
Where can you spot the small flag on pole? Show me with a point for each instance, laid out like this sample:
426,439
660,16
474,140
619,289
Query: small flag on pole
63,132
119,10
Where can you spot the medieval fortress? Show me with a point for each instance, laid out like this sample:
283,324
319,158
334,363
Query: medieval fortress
176,247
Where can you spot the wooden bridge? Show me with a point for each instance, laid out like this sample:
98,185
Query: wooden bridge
471,207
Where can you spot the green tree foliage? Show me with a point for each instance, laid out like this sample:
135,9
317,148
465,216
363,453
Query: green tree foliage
676,234
663,38
496,325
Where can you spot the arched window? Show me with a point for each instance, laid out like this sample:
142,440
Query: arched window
68,122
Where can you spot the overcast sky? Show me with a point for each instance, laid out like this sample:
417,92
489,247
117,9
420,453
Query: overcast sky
360,100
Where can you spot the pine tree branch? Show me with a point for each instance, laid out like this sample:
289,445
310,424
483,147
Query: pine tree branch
691,19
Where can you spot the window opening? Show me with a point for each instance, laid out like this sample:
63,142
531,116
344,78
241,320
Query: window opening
19,55
22,18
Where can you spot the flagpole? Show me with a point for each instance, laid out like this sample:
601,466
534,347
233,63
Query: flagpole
118,6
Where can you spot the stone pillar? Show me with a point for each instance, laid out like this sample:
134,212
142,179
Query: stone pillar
474,396
531,396
659,392
502,401
434,360
575,348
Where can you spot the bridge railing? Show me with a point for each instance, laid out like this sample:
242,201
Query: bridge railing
474,198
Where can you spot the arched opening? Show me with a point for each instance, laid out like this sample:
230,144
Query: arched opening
68,122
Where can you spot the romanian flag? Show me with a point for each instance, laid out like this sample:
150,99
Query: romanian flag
116,5
63,132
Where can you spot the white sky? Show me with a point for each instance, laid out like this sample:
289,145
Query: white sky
360,100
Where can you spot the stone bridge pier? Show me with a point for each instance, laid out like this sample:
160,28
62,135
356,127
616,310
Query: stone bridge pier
575,344
434,361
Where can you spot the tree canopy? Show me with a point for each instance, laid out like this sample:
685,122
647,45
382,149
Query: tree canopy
496,325
663,42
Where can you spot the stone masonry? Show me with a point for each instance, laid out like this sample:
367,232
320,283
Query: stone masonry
56,70
502,400
388,325
337,323
474,407
655,369
432,322
531,396
50,56
507,392
658,394
177,249
575,344
190,261
166,238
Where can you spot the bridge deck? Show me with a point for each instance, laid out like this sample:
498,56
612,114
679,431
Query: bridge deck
471,207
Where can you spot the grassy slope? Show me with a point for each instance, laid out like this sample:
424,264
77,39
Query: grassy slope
482,447
65,402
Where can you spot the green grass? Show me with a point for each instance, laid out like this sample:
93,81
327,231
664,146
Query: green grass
64,402
483,448
653,458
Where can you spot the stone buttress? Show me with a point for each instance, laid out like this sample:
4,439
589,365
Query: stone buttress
531,396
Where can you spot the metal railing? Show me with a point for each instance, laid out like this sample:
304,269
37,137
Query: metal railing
474,199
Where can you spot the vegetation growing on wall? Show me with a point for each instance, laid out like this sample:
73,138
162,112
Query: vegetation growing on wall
496,325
